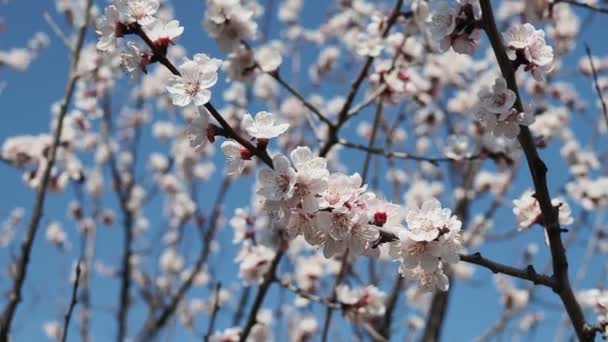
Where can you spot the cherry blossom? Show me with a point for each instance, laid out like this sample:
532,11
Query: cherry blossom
527,210
236,155
263,126
524,41
109,28
163,34
140,11
277,184
198,75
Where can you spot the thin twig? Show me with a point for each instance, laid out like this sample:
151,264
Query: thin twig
371,141
55,28
600,94
216,309
299,96
73,301
405,155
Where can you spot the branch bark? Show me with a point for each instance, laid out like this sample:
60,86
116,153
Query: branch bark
538,171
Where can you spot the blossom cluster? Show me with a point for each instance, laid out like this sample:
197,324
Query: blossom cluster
495,111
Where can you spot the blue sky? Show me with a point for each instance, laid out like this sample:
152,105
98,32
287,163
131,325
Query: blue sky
25,105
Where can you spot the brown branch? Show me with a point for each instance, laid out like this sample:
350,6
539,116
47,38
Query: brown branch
26,246
405,155
161,57
600,95
73,301
528,273
371,141
259,298
307,104
215,310
538,171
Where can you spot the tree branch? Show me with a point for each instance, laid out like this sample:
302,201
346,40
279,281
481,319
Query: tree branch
259,298
538,171
73,301
600,94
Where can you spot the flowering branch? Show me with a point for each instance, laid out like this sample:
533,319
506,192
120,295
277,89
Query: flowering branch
160,56
538,171
26,247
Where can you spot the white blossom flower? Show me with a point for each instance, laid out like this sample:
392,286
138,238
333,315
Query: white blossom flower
427,281
198,75
526,43
163,34
170,261
236,155
229,22
268,58
197,130
499,100
140,11
277,184
263,126
108,29
431,221
254,263
527,210
363,304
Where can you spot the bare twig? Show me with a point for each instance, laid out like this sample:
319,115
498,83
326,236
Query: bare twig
405,155
73,301
26,247
55,28
529,273
600,94
372,140
299,96
216,309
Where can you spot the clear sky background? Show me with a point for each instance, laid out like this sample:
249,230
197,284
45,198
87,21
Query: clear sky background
25,108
